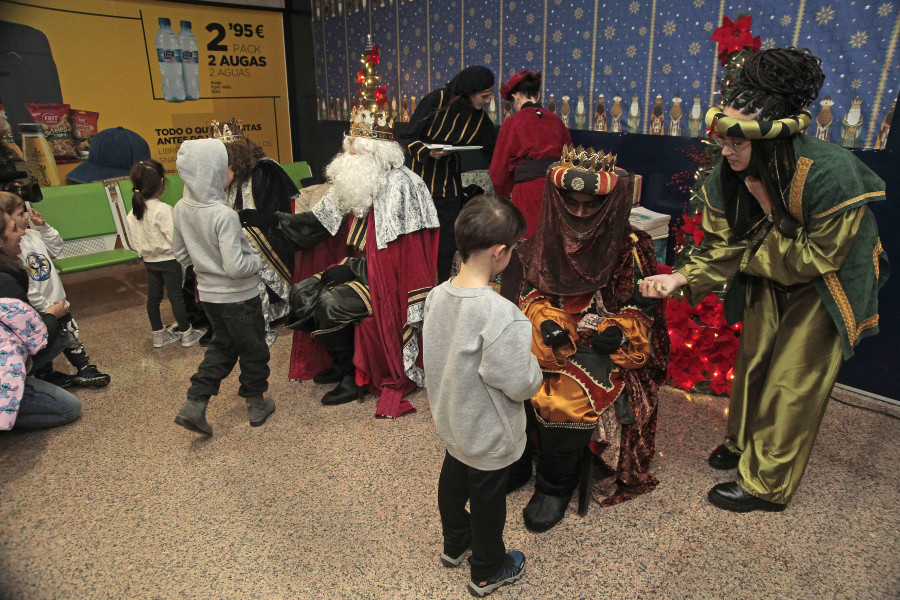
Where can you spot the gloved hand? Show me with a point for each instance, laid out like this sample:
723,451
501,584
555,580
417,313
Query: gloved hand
608,341
337,275
553,334
250,217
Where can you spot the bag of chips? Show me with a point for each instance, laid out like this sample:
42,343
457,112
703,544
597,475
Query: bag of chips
84,126
54,118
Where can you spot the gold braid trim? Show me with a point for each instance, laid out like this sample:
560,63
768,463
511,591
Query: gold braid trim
797,185
847,203
363,292
265,250
710,206
875,255
356,238
843,304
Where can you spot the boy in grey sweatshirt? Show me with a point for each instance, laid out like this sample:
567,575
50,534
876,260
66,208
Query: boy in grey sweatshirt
479,370
208,235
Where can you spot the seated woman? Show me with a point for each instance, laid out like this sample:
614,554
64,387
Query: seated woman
23,331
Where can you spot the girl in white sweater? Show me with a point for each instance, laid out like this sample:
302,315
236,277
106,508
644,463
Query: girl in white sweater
151,229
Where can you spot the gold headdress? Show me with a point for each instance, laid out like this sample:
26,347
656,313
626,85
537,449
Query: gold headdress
370,118
585,170
227,132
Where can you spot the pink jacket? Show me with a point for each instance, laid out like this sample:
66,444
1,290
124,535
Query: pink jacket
22,333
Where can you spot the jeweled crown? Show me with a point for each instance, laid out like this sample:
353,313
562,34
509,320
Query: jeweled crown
368,123
227,132
587,159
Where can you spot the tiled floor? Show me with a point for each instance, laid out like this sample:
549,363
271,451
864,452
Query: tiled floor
332,503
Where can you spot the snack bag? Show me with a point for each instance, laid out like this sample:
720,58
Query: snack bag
55,120
84,125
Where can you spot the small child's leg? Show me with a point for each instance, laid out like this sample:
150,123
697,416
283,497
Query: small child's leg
453,493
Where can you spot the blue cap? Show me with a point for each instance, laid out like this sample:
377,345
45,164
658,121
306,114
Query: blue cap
112,154
185,24
164,22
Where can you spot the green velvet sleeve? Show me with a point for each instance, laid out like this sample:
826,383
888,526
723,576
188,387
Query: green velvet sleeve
818,249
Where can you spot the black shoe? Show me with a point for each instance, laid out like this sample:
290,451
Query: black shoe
346,391
544,511
330,375
724,459
731,496
206,337
90,376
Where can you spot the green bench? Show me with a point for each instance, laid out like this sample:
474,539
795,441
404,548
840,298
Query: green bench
85,219
82,215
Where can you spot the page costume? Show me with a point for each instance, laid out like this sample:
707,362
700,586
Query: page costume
581,273
809,300
392,252
268,190
528,142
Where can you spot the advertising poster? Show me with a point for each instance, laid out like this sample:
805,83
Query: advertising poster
120,60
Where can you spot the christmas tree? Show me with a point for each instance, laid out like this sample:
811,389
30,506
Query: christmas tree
704,346
372,94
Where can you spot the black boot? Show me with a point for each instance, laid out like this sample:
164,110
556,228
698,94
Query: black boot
346,391
340,344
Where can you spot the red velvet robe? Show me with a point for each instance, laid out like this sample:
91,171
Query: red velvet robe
399,275
526,134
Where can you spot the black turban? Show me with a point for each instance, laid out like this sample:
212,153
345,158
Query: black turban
471,80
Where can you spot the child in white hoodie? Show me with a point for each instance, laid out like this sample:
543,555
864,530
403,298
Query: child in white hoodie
208,235
151,228
39,244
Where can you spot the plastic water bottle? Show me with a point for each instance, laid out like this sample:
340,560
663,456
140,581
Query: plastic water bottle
189,61
168,53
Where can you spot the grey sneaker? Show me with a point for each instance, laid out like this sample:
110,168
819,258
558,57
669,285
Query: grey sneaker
511,570
448,560
192,416
190,337
258,409
165,337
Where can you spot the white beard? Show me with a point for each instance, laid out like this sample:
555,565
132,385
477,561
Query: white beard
356,179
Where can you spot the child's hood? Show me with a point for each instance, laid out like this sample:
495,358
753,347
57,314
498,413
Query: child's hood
203,166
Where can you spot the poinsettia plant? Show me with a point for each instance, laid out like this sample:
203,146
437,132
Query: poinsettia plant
704,346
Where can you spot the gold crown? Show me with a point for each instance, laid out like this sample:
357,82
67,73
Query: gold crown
227,132
855,104
588,160
367,122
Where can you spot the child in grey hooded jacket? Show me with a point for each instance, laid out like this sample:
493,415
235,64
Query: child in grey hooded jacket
208,236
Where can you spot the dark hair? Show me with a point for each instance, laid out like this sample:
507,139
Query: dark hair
530,86
485,221
7,263
146,177
776,83
242,157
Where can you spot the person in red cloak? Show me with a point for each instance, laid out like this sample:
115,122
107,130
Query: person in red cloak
528,142
366,311
603,347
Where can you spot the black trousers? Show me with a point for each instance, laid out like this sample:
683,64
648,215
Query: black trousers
239,334
448,208
559,464
483,528
166,273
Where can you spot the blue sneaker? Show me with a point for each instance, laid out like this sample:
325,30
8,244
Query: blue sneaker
511,570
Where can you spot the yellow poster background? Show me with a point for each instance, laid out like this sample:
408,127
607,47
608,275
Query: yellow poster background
105,54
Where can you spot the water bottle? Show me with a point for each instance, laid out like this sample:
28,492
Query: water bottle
168,53
189,61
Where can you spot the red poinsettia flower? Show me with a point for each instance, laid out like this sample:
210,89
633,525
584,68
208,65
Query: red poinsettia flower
361,76
692,226
372,56
734,37
381,95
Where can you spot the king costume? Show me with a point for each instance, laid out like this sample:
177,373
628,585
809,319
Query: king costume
367,310
580,277
806,301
